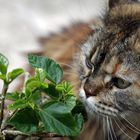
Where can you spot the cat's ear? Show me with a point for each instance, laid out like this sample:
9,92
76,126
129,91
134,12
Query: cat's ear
113,3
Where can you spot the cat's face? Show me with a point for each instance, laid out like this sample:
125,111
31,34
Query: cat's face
109,65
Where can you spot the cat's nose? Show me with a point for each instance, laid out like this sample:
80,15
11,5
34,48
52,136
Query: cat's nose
89,90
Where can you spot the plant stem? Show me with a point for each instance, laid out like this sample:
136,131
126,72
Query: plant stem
4,91
13,132
27,75
16,132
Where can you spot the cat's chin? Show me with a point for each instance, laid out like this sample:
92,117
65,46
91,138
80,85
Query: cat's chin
94,106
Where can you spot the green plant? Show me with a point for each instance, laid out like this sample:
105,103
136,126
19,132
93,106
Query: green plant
46,104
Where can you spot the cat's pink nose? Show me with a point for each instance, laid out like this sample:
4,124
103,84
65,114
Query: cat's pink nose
89,90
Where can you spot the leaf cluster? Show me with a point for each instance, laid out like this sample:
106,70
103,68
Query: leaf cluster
46,103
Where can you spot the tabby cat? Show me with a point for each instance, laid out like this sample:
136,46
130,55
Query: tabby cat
109,68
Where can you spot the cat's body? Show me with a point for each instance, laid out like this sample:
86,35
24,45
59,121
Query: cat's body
109,68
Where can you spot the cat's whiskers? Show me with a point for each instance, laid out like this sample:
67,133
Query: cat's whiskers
111,126
109,98
134,128
109,121
109,129
69,66
98,119
114,51
104,126
108,136
117,121
75,84
69,73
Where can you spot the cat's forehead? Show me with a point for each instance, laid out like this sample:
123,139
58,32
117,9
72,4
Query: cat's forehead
125,65
124,22
117,43
121,58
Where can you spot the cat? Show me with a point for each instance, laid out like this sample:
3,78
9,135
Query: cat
109,71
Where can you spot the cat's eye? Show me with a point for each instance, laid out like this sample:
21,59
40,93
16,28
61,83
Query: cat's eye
89,64
120,83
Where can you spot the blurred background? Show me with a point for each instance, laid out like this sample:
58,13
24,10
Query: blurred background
54,28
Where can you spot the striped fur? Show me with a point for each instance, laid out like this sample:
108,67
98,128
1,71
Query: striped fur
109,68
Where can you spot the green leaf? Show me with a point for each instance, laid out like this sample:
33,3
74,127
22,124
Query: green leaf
13,96
65,87
25,120
53,70
70,101
32,84
80,108
51,91
40,74
79,121
32,105
57,119
18,104
44,86
15,73
35,99
3,77
3,64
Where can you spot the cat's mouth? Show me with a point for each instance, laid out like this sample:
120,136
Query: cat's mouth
93,105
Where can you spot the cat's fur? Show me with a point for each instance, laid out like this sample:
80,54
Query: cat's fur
109,68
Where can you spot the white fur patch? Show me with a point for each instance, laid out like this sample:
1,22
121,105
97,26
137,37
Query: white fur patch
107,79
82,95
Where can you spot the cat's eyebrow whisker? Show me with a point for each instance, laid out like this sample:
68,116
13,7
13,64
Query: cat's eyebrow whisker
69,73
79,64
135,129
123,131
69,66
75,84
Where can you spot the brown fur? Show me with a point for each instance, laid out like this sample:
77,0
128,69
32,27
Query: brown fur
111,75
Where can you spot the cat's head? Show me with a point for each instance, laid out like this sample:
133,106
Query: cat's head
109,62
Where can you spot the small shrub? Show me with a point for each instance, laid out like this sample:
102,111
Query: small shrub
46,104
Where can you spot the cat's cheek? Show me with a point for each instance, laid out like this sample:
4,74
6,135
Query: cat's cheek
126,102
